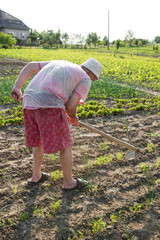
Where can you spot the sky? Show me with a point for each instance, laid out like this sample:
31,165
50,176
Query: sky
86,16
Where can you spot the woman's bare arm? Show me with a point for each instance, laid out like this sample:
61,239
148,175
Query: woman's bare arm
24,75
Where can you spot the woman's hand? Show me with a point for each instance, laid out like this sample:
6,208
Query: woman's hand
74,121
16,94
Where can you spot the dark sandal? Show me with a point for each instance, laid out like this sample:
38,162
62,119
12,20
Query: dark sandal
80,185
43,178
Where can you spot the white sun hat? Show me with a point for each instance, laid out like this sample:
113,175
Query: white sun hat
94,66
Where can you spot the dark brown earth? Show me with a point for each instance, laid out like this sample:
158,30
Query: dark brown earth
28,213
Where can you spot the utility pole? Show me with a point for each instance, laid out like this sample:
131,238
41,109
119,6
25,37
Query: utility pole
108,30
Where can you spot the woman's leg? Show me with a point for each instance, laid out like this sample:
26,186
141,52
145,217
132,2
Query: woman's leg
37,161
66,160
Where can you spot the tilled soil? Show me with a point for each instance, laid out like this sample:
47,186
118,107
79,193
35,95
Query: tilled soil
119,186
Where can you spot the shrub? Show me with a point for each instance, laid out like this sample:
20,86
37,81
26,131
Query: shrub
7,40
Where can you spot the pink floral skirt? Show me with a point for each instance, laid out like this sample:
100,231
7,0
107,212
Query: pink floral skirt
48,127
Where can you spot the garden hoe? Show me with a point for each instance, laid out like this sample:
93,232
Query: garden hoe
131,154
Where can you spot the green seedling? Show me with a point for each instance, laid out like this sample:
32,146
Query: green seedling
74,233
150,186
122,219
38,211
113,219
74,236
2,223
120,156
154,134
158,224
56,175
136,207
150,147
144,167
98,225
103,146
157,181
24,216
55,206
89,183
15,191
53,157
157,164
101,121
104,159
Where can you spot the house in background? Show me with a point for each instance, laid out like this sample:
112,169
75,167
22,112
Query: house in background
13,25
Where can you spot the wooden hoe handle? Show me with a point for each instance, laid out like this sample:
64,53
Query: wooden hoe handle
109,137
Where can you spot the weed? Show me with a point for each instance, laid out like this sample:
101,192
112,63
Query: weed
24,216
101,121
48,185
89,183
157,181
104,159
55,206
113,218
103,146
2,223
74,234
150,185
56,175
137,207
154,134
120,156
98,226
15,191
38,211
157,164
158,224
122,219
53,157
149,147
145,167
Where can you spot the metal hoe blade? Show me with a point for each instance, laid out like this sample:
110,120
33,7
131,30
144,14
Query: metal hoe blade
130,155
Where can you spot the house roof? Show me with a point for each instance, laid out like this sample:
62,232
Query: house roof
10,22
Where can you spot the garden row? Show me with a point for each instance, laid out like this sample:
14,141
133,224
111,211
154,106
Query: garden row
91,108
137,70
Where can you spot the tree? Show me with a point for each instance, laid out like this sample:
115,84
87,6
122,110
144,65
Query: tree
65,36
48,37
89,39
129,37
105,41
7,40
29,42
157,39
95,39
139,43
58,38
92,38
78,39
117,44
34,35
